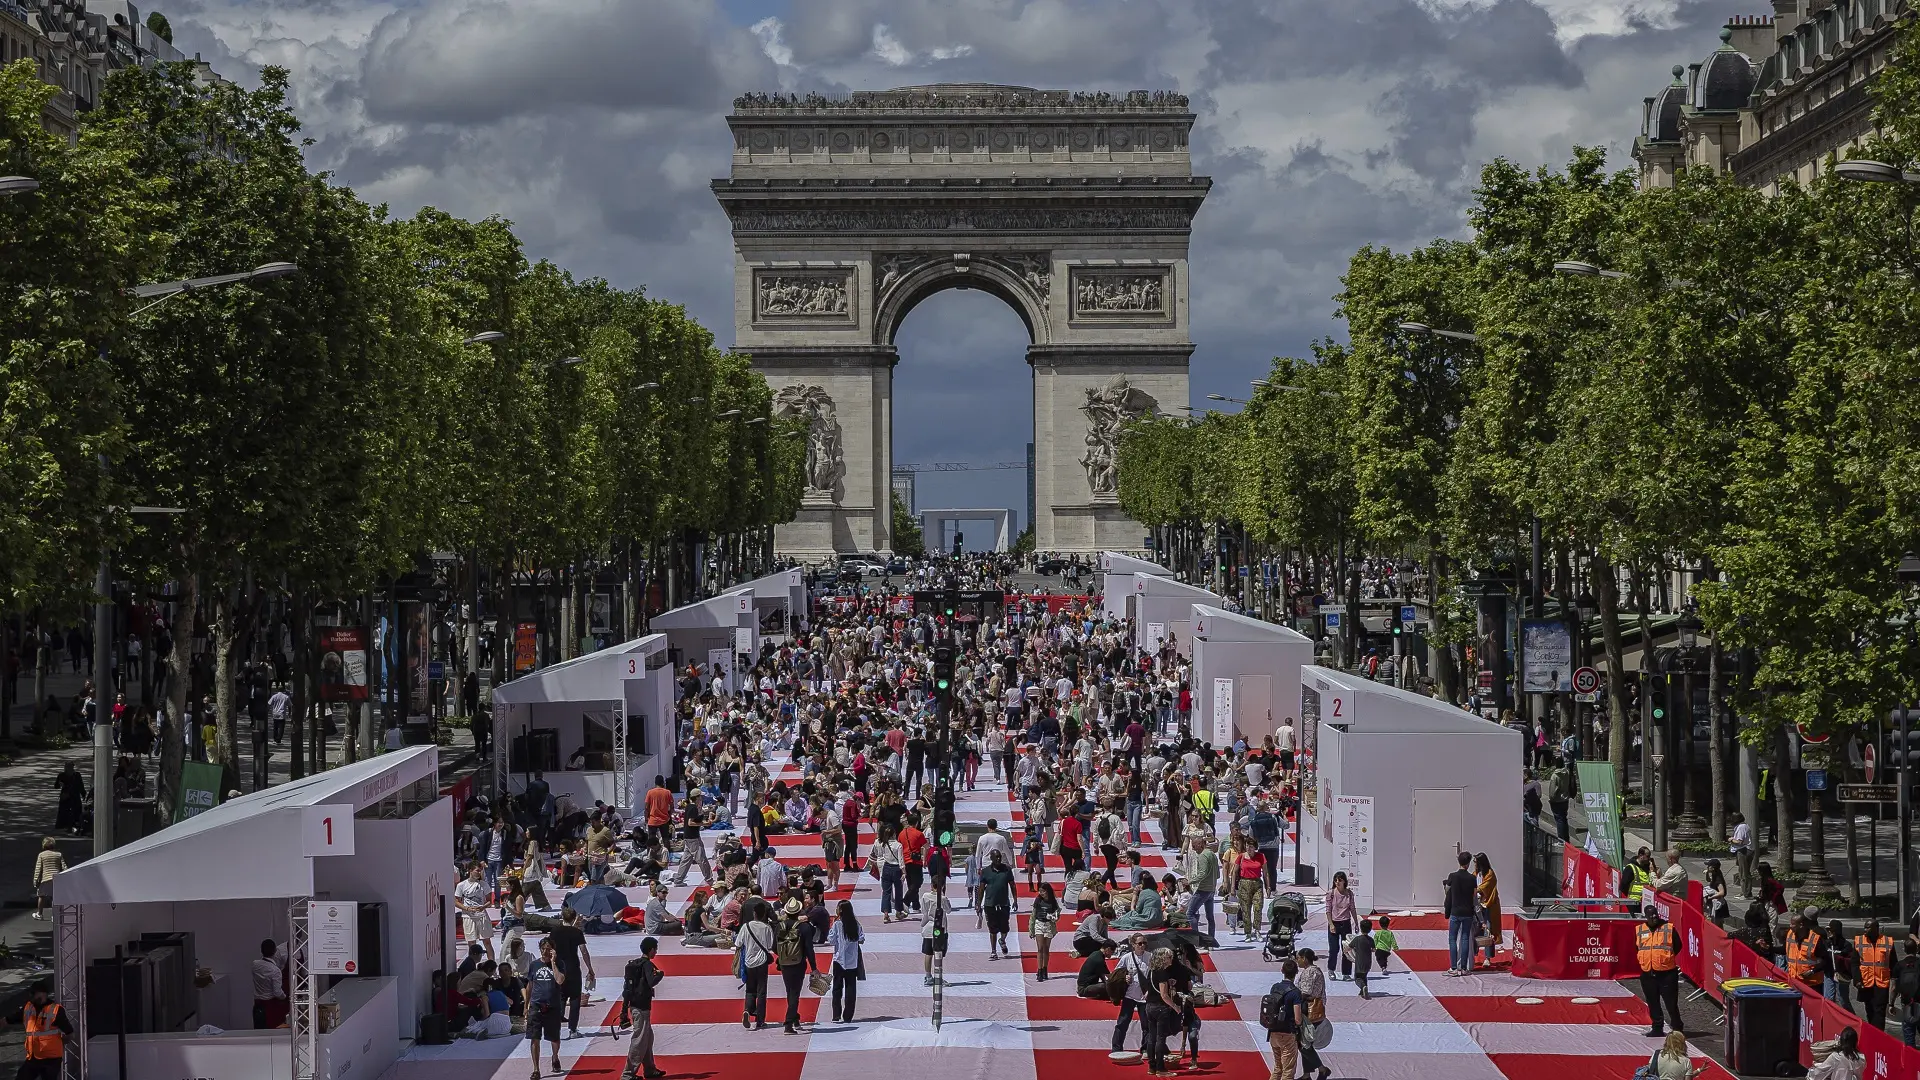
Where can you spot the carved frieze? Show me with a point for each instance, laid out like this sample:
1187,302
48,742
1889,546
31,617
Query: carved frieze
803,294
1122,292
889,268
1034,268
945,99
1004,219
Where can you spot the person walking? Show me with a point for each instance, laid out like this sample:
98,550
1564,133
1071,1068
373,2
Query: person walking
47,1027
692,851
793,953
1282,1012
1135,964
1043,924
1659,972
1486,899
1741,844
1340,905
636,993
1203,879
888,861
1457,904
844,940
1312,983
754,946
996,889
546,983
49,864
570,952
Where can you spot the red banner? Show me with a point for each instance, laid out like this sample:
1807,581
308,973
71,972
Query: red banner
526,647
1587,876
1574,948
343,663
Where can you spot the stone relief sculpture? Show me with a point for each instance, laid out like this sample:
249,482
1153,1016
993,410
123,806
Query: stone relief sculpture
1035,269
1120,294
803,295
824,459
1108,408
889,269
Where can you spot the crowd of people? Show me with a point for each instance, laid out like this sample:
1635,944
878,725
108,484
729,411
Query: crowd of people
838,727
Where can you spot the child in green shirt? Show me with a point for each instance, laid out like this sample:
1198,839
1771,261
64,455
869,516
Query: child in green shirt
1383,943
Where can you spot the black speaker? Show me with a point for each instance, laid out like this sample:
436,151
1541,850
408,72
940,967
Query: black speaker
433,1030
373,944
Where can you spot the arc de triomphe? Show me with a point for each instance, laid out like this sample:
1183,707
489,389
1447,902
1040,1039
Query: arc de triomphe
1074,208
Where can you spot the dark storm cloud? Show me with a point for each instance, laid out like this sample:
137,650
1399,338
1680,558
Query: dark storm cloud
484,60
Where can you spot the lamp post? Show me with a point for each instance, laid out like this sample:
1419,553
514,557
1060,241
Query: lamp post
161,291
18,185
1587,607
1875,172
105,806
1423,330
1690,826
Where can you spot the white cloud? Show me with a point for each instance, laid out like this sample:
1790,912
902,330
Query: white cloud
888,48
769,30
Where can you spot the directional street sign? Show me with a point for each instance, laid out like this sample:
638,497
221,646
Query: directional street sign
1816,779
1869,792
1333,620
1408,615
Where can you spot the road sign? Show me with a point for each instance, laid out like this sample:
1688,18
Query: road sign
1586,681
1868,792
1408,615
1486,680
1806,737
1245,571
1587,699
436,669
1867,761
1333,620
1816,779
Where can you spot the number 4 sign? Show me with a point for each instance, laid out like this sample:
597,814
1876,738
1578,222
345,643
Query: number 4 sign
326,830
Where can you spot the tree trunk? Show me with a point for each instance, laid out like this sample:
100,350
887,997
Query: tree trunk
1782,808
1853,858
1716,748
227,731
297,615
1607,592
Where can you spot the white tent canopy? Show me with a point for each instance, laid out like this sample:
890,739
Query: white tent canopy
253,846
777,597
1244,674
1162,608
1117,585
625,690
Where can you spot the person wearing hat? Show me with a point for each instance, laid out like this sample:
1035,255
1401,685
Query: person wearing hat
793,948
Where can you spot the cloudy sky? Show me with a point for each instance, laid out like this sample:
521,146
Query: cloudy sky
595,125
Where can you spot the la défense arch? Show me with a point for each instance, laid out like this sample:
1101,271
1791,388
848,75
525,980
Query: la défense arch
1074,208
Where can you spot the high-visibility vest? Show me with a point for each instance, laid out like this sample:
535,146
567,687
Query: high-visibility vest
1801,954
1876,960
44,1041
1656,948
1636,882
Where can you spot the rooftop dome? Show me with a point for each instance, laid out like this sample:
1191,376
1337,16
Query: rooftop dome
1663,114
1729,76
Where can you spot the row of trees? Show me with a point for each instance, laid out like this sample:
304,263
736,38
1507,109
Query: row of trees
1736,408
325,430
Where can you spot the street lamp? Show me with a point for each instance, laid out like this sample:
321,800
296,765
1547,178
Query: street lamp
729,412
696,401
1428,331
484,337
758,420
1234,400
569,361
1873,172
645,386
1584,269
104,806
161,291
18,185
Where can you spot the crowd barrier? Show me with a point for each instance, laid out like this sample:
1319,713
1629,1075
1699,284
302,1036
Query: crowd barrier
1575,946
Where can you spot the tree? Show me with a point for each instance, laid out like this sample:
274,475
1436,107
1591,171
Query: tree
161,28
906,529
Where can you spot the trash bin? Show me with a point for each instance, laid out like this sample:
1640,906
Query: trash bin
1763,1028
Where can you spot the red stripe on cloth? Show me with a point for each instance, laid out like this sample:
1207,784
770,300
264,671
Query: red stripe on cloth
1083,1064
767,1064
709,962
727,1010
1553,1010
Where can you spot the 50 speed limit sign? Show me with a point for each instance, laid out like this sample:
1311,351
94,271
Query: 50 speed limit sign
1586,681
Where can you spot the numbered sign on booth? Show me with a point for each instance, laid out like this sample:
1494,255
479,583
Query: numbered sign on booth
326,830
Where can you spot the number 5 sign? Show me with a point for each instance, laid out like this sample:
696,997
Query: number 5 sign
326,830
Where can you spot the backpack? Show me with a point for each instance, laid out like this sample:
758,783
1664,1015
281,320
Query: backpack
1274,1014
786,948
1906,978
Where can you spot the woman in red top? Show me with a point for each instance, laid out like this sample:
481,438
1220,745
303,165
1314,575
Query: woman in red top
1070,829
1249,876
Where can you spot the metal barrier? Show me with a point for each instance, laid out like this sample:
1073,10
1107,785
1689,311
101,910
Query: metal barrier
1543,856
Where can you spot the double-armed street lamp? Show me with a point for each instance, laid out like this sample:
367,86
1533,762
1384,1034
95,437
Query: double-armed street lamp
1424,330
161,291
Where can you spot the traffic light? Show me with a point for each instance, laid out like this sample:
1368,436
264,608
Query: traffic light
1657,698
1903,745
943,671
943,821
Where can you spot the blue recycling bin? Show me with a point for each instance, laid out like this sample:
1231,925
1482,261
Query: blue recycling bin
1763,1028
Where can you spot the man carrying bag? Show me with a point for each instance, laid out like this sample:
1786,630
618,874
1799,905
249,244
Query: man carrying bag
636,994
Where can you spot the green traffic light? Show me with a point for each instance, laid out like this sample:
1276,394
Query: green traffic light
946,839
1659,713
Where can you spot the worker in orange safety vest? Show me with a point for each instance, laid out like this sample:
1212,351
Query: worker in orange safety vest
1659,954
1803,951
1874,953
47,1027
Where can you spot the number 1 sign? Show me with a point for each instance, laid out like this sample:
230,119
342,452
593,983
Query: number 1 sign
326,830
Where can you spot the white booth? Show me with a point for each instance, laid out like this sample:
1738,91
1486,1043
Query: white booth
1399,785
348,872
777,598
1238,662
1162,608
1117,572
597,727
712,633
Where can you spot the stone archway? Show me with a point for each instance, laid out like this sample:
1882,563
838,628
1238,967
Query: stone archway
1073,208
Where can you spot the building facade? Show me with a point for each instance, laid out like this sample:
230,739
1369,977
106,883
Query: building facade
75,44
1784,95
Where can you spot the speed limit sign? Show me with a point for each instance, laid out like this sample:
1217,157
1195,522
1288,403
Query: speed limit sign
1586,681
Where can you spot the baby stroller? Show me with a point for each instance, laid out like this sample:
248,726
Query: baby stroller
1286,914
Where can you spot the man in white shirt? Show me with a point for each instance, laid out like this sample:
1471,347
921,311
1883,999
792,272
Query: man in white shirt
269,987
470,896
1741,845
991,841
277,711
1190,764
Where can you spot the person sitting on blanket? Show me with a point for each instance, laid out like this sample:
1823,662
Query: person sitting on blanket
1148,911
659,921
